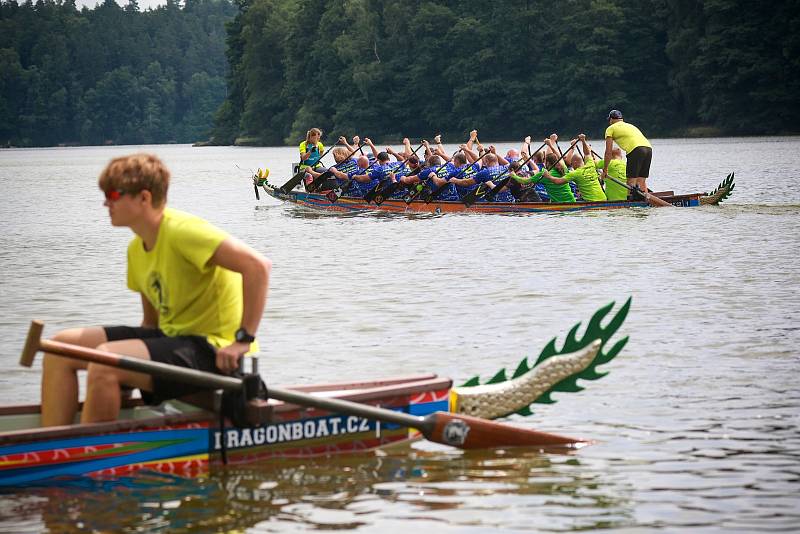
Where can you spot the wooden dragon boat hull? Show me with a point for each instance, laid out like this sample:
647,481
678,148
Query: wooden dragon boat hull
321,201
186,439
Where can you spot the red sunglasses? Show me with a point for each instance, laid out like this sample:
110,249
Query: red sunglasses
112,195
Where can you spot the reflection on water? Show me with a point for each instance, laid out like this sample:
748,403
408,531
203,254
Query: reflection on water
697,423
435,487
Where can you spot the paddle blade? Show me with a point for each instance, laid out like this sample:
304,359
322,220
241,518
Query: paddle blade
255,188
293,181
470,198
467,432
657,202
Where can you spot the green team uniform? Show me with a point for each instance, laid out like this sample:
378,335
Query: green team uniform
557,192
588,182
616,169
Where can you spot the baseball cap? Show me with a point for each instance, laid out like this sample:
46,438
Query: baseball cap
615,114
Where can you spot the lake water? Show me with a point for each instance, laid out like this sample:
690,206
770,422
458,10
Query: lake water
696,422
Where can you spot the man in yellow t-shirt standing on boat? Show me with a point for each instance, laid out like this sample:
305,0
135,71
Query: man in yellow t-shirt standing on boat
638,150
202,293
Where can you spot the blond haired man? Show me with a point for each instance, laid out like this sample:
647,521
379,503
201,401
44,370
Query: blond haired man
202,293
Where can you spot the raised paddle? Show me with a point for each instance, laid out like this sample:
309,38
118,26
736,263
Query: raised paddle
652,199
464,432
294,180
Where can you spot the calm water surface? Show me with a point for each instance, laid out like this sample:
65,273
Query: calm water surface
697,420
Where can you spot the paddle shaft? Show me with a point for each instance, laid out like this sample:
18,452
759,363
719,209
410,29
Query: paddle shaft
450,429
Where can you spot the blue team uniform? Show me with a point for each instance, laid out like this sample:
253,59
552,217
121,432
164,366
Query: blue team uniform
377,174
491,173
468,170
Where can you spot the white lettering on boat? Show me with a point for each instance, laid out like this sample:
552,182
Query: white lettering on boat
294,431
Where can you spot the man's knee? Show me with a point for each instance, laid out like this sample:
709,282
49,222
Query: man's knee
52,362
86,337
101,376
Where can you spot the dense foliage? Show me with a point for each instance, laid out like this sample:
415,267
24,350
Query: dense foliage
385,69
509,67
110,74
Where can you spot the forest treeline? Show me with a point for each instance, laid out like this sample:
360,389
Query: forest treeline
110,74
509,67
264,71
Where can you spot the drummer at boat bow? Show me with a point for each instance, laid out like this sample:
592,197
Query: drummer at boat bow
311,149
202,293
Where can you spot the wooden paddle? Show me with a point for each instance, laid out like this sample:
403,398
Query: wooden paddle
652,199
294,180
457,430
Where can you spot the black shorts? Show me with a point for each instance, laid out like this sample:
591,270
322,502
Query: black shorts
638,165
193,352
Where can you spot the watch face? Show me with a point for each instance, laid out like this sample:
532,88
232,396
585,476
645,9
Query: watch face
243,336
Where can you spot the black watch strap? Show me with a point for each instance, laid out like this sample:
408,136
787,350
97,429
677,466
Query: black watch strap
243,336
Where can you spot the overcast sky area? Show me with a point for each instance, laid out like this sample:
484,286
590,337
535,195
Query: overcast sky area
143,4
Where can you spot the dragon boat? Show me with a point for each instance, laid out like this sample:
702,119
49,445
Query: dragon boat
185,437
325,200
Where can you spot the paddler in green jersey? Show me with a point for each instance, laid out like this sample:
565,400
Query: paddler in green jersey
584,174
556,168
615,169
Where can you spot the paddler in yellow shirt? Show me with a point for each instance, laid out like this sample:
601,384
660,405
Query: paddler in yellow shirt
202,292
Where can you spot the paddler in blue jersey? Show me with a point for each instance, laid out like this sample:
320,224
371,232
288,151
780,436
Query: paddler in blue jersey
348,174
380,172
436,174
345,166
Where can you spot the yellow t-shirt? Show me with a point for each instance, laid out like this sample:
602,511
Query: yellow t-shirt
616,169
190,296
588,182
627,136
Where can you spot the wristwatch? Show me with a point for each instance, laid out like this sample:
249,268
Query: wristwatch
243,336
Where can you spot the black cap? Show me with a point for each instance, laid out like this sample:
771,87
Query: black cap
614,114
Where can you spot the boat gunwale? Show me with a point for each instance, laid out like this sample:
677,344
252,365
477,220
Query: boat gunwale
391,388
